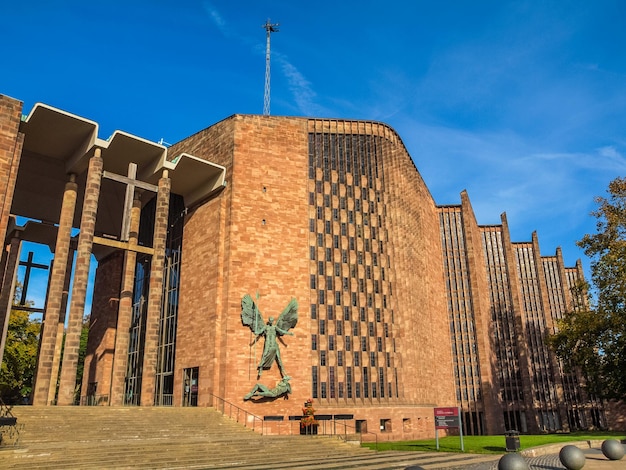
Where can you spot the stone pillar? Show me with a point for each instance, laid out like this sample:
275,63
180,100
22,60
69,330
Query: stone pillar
46,376
56,360
155,292
582,303
81,274
3,263
555,372
479,285
125,310
11,143
520,328
8,289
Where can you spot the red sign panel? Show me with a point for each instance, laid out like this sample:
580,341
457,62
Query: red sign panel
447,418
450,411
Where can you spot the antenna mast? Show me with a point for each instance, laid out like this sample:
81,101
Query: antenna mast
269,28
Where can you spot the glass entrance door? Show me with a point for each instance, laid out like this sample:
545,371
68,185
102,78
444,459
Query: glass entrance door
190,386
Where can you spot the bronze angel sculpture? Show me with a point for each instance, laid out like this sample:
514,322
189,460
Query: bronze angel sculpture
252,318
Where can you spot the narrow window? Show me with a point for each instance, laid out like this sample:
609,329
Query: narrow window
314,381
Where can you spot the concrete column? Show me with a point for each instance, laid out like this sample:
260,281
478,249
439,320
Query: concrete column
125,310
8,289
155,292
46,376
81,274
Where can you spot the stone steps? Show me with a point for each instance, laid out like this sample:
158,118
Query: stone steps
184,438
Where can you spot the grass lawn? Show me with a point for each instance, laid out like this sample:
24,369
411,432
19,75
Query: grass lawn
491,444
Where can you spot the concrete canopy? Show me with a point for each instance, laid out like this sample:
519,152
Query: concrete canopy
57,144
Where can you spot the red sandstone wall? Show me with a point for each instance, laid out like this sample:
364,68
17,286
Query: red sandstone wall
269,252
204,270
254,238
229,251
10,151
421,315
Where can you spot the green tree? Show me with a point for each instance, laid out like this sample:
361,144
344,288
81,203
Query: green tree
20,357
594,339
82,353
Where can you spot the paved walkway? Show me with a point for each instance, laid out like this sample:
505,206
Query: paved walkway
595,460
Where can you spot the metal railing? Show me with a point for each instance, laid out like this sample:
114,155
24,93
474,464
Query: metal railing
333,427
236,413
329,426
166,399
360,433
94,400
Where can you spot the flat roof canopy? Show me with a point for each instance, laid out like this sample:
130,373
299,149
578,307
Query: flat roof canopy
57,144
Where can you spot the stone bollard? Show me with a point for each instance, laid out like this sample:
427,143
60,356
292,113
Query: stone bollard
512,462
572,457
613,449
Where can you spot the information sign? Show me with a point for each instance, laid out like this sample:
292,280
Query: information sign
448,417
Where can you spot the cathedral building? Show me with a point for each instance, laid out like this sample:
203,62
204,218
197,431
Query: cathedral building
267,261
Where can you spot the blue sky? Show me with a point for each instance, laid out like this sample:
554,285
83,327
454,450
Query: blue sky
521,103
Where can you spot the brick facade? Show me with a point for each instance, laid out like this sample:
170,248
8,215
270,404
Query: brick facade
244,243
255,238
11,141
404,305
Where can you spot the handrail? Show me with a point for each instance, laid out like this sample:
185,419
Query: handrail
322,429
94,400
238,412
236,415
360,432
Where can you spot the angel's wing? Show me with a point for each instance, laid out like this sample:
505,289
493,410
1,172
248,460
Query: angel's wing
289,318
250,315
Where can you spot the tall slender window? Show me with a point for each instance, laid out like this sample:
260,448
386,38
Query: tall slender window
347,177
164,386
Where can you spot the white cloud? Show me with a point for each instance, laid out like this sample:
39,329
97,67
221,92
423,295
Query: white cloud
300,88
214,14
551,192
612,158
